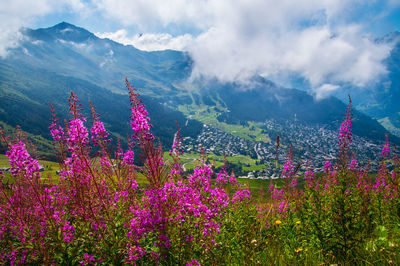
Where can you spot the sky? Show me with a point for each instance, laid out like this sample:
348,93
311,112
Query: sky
326,43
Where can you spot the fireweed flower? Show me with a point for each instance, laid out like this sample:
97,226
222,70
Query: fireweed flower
139,116
222,178
56,131
283,207
353,164
89,259
175,205
98,132
288,167
385,154
82,206
381,182
67,230
232,179
83,195
276,194
327,166
140,121
129,157
77,134
241,195
175,153
193,263
21,162
345,135
309,177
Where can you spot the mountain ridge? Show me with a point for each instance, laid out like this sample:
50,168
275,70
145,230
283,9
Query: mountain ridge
82,59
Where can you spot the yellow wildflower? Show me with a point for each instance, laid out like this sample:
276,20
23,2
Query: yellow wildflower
298,250
278,222
298,222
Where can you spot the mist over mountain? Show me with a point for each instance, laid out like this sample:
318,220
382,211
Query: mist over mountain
380,100
50,62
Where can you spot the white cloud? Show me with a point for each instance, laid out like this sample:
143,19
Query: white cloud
325,90
150,41
323,41
18,13
148,15
316,39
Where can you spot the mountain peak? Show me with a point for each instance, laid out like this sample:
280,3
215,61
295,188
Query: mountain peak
69,32
64,25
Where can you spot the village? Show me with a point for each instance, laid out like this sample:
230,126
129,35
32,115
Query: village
318,143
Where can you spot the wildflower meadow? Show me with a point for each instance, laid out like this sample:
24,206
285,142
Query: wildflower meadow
97,212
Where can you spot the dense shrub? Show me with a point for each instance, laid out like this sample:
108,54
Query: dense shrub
98,213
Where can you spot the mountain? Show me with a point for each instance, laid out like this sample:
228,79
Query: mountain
52,61
380,100
101,61
266,101
46,67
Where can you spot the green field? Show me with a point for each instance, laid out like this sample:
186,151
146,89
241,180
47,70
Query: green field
49,172
208,115
191,160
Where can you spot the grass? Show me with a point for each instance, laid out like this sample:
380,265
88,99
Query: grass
208,115
386,123
49,173
51,168
4,161
43,146
191,160
256,186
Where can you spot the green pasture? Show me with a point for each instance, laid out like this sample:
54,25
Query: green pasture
208,115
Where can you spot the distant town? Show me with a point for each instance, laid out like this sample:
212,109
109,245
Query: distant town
308,142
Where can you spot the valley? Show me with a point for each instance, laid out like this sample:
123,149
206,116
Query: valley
224,118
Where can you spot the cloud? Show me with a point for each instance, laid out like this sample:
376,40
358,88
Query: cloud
325,90
150,41
322,41
18,13
149,15
303,40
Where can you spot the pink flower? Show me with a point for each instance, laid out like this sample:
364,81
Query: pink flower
327,166
56,131
353,164
77,134
241,195
139,116
385,154
89,259
288,168
345,132
193,263
21,162
232,179
98,132
129,156
222,178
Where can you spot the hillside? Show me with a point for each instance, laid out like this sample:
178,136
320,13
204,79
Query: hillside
52,61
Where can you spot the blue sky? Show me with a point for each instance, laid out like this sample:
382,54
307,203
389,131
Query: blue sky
378,17
328,43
